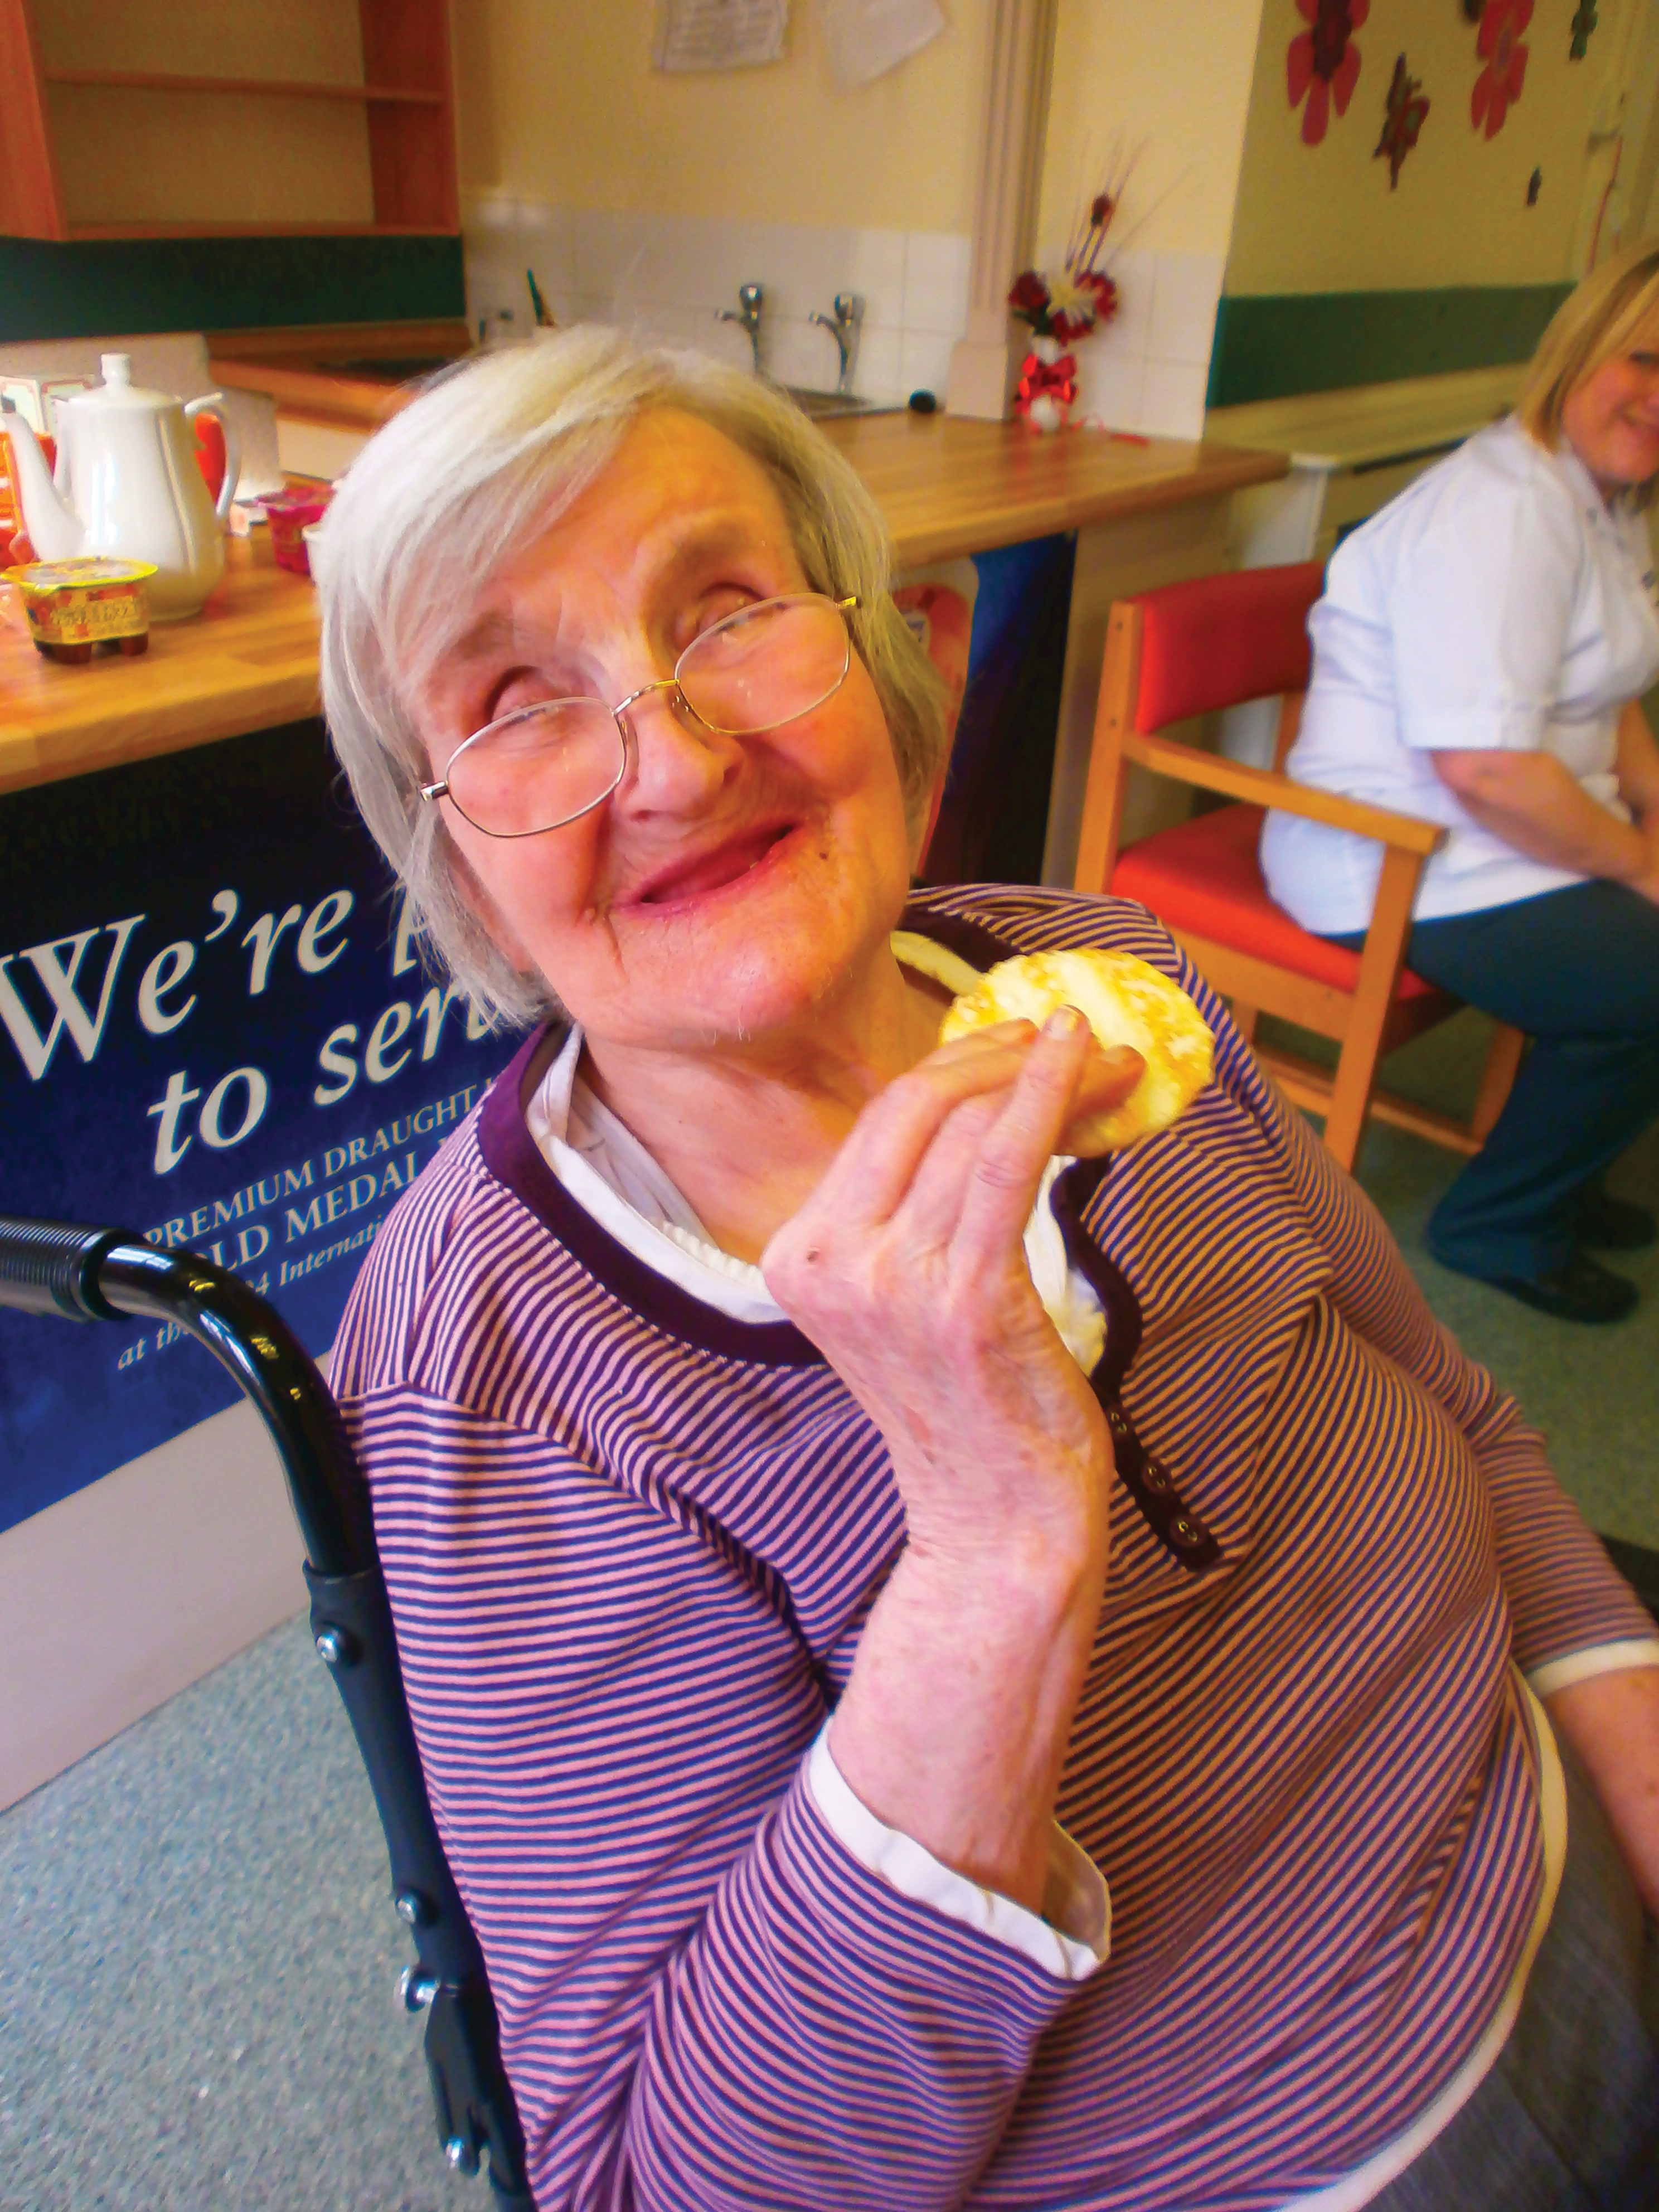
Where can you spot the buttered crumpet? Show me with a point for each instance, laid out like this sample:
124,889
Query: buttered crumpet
1125,1001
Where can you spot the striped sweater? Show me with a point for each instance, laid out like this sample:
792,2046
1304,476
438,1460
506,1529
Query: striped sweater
630,1543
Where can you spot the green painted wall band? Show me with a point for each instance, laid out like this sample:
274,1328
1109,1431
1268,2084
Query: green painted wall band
93,287
1272,346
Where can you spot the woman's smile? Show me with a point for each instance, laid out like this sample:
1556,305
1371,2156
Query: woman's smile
697,876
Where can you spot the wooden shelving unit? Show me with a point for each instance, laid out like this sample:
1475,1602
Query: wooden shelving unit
287,88
405,99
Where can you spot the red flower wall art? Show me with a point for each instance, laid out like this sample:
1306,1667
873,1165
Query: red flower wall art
1499,46
1322,62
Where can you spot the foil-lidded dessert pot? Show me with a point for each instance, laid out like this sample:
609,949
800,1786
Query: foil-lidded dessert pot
75,607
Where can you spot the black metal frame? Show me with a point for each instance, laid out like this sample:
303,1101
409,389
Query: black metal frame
107,1275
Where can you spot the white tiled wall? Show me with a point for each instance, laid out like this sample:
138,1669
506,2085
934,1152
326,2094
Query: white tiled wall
1148,369
666,276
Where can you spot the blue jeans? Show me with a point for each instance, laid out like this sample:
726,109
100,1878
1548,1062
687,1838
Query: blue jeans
1578,970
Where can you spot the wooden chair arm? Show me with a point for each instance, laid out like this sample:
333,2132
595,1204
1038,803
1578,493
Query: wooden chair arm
1261,787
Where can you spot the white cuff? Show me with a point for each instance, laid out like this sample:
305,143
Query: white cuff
1071,1940
1599,1659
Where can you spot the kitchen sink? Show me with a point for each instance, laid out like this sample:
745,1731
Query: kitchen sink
823,405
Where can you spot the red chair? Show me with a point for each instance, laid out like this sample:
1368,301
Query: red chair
1191,649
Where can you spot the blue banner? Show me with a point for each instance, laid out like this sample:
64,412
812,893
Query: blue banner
214,1031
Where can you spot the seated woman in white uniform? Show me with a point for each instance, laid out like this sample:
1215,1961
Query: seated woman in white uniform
1479,656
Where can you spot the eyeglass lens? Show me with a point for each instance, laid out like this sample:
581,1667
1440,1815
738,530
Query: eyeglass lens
766,666
540,768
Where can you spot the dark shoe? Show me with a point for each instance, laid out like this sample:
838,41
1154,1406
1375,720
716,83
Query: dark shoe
1582,1289
1613,1225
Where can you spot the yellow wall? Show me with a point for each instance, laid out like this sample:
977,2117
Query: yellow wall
1172,76
1322,218
558,100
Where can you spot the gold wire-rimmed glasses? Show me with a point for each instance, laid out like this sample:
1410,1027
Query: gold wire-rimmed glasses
542,766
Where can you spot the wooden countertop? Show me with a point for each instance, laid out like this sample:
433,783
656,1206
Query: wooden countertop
1372,423
948,486
249,660
314,393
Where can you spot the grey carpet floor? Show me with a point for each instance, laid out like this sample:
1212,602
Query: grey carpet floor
197,1955
198,1966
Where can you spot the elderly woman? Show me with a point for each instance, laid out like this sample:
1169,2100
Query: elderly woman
1479,656
949,1675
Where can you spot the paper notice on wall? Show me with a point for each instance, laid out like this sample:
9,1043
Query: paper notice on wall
718,35
867,38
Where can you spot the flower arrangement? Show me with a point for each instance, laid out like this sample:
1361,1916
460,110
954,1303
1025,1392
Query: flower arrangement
1068,306
1060,310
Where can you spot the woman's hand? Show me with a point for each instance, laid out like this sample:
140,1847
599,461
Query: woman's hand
906,1267
1612,1722
1646,879
1639,786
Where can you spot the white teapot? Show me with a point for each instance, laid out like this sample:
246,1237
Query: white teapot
128,486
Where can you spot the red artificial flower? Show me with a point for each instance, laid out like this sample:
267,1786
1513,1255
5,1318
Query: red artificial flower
1029,295
1322,64
1105,292
1499,46
1097,304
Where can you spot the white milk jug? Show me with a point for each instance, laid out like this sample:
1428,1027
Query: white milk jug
128,487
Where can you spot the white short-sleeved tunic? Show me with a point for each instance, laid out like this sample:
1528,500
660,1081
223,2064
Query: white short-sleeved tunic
1498,602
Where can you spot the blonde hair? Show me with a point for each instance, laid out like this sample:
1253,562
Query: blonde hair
462,481
1600,319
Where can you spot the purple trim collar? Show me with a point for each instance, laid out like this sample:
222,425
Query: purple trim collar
510,1154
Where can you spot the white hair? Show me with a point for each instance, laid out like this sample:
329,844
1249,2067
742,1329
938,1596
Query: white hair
462,481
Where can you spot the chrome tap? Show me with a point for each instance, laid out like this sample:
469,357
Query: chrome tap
751,299
844,327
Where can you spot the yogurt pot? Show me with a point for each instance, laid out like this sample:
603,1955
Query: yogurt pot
76,607
289,514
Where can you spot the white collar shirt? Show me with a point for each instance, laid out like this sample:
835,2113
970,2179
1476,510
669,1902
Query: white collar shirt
1499,603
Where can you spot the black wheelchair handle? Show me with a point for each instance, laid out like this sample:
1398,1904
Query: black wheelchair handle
63,1268
52,1268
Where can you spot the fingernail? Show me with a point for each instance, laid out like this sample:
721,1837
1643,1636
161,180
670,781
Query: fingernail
1063,1022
